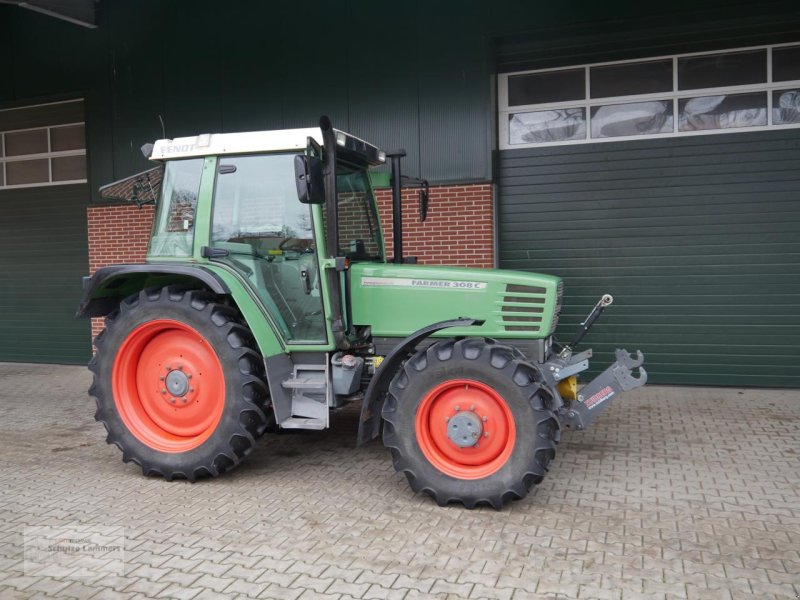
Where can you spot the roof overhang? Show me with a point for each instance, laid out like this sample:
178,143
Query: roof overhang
78,12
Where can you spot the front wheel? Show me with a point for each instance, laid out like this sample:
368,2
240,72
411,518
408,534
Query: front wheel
178,384
469,421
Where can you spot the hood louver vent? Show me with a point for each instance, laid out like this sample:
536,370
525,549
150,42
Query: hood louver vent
557,311
522,308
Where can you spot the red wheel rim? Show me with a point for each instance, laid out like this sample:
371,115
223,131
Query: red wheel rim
168,385
483,410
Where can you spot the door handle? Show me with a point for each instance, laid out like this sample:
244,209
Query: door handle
306,281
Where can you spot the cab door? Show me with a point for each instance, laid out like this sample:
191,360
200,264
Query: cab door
261,230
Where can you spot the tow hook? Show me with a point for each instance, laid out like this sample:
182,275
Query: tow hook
595,396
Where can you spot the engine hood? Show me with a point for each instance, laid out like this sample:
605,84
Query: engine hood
396,300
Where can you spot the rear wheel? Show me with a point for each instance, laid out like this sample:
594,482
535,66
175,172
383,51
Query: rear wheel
468,421
178,384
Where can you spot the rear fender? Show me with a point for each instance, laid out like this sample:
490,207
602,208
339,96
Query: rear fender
103,291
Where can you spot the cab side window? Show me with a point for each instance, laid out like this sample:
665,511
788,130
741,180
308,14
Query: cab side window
173,228
269,238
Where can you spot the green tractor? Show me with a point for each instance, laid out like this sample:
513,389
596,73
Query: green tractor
267,300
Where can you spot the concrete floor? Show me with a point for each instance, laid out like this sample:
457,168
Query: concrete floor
673,493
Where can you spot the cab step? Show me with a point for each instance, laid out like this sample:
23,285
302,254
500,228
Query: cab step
310,389
301,423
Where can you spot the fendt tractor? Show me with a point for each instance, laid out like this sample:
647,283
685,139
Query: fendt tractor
267,300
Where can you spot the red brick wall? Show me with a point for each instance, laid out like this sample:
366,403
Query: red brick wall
117,235
459,229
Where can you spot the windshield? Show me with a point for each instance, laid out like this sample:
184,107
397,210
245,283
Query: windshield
359,233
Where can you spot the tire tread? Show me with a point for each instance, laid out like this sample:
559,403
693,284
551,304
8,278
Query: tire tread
251,400
504,359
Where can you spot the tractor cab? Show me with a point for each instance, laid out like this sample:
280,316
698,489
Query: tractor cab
269,220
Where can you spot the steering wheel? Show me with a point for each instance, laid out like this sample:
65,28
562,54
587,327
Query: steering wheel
296,245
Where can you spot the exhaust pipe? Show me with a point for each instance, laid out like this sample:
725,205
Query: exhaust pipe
397,204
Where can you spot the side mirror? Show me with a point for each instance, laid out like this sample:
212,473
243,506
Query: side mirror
423,203
309,179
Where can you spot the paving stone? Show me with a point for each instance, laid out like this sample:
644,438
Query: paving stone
247,588
482,591
457,589
267,577
344,587
282,593
148,588
178,592
381,579
305,582
78,590
413,583
378,592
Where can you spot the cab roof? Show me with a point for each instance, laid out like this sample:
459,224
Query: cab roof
213,144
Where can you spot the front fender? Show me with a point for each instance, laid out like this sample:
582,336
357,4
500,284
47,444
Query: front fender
370,421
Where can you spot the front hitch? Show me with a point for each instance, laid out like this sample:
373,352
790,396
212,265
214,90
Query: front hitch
594,397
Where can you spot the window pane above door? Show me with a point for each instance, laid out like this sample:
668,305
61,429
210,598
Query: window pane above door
21,143
633,118
786,63
723,112
69,168
550,86
70,137
786,106
27,172
651,77
722,70
558,125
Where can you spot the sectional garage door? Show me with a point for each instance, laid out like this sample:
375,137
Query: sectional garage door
697,238
43,255
43,245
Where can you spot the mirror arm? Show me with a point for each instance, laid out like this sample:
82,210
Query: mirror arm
424,189
331,209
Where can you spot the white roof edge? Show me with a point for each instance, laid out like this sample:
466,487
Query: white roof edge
211,144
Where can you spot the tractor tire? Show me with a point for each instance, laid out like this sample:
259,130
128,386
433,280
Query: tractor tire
469,421
178,383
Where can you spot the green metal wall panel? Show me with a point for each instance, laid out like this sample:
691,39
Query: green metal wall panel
6,47
136,84
607,31
416,75
695,237
455,99
312,64
43,256
251,94
384,105
189,52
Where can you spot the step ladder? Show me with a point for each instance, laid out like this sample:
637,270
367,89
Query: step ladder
311,396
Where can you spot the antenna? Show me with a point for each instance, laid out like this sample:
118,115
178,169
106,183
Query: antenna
163,129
